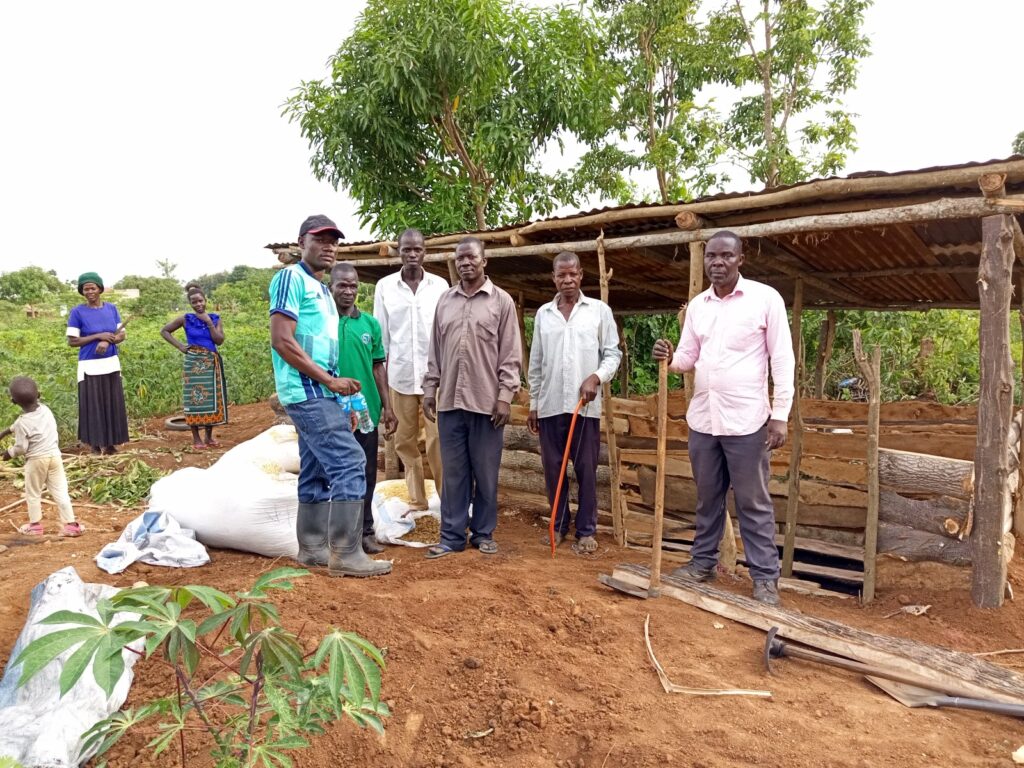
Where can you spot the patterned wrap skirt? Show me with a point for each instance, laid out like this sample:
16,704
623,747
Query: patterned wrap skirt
204,390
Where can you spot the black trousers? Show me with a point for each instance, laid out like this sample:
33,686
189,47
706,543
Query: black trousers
369,442
585,449
471,457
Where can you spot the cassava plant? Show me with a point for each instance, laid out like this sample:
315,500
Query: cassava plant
240,678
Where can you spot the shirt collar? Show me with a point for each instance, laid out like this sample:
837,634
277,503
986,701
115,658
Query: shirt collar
553,304
487,287
356,316
738,290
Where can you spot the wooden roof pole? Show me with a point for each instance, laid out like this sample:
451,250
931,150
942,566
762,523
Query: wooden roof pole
889,184
995,411
937,210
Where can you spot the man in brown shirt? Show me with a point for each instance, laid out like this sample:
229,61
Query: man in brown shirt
474,360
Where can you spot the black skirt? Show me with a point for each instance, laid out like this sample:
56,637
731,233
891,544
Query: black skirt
102,418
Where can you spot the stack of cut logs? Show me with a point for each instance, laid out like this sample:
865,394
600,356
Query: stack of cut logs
926,474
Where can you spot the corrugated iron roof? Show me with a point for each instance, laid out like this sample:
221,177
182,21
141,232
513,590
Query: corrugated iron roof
906,265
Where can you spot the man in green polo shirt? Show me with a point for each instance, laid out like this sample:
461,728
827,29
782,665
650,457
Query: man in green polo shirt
361,356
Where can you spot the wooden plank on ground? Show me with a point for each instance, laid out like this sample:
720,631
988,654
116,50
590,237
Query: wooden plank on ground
940,669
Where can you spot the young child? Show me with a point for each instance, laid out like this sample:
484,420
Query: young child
35,438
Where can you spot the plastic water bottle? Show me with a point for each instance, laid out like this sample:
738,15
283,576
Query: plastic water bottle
345,401
363,420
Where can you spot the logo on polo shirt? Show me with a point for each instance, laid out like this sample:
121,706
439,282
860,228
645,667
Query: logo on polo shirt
367,339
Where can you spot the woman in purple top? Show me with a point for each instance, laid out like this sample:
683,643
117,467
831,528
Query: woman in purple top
96,329
204,390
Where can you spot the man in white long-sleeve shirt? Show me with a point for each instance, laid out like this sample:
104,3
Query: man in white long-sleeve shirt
404,304
575,350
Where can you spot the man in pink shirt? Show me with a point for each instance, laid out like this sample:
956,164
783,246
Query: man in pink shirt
734,333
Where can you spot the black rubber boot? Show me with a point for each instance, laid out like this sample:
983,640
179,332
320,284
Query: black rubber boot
346,543
311,525
371,546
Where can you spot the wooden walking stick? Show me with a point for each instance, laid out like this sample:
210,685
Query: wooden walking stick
654,589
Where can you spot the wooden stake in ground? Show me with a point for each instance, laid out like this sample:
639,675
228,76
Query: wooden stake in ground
796,449
995,410
659,487
873,376
618,504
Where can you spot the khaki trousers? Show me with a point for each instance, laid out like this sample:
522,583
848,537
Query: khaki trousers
408,409
47,472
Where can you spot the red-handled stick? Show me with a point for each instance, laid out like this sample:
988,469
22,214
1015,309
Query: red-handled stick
561,476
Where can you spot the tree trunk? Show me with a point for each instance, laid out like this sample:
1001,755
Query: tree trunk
826,340
921,473
995,410
871,371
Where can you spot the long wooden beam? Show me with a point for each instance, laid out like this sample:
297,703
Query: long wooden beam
891,184
952,672
969,208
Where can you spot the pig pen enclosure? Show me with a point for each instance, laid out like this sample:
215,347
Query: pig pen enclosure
859,488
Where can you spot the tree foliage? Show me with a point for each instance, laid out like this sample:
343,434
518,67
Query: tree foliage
800,61
436,112
30,285
158,296
1018,144
665,60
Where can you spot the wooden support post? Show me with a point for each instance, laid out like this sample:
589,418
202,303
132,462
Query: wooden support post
620,327
796,449
453,274
391,469
1018,512
826,340
872,373
696,286
521,316
617,501
995,410
659,483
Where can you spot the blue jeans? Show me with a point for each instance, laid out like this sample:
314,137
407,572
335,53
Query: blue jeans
332,466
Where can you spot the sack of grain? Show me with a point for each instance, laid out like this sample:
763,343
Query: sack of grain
394,523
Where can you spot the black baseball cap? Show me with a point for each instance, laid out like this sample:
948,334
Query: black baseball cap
318,223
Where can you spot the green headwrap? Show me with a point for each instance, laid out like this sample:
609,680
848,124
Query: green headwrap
89,277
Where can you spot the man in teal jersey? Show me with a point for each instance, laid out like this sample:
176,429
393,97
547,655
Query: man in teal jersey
361,356
304,342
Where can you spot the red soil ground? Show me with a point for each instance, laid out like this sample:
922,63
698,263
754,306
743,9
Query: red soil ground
554,663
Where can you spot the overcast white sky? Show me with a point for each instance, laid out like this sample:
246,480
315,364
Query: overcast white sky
133,132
